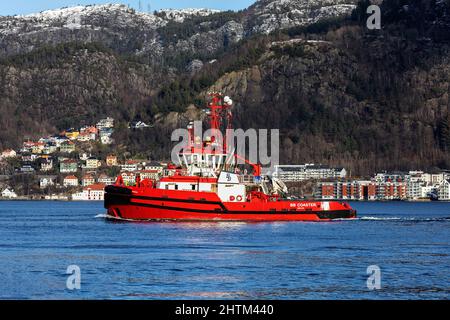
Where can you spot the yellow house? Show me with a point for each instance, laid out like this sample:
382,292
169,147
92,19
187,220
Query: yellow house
37,148
93,163
72,135
111,161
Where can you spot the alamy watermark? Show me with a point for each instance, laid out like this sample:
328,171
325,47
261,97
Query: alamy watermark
251,144
73,281
374,20
374,279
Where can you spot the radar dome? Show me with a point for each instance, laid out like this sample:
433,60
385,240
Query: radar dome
227,100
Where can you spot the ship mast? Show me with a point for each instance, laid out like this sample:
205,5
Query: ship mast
220,117
201,158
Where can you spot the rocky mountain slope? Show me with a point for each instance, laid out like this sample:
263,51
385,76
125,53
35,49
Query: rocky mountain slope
126,30
341,94
270,15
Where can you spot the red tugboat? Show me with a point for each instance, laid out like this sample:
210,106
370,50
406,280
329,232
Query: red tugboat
208,187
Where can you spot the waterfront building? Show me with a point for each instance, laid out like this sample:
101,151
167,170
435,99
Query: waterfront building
389,177
95,192
8,193
391,190
346,190
438,178
56,197
361,190
443,190
427,192
296,173
327,191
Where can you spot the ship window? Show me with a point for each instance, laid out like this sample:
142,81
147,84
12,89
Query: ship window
193,187
176,187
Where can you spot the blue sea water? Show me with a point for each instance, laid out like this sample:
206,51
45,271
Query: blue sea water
410,242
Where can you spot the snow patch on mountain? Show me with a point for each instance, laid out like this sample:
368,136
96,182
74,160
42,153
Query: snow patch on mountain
95,16
80,17
181,14
270,15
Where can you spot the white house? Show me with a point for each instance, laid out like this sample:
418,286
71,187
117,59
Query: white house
8,153
106,139
444,190
104,179
150,174
46,165
85,156
130,165
154,166
46,181
92,163
70,181
88,180
94,192
129,178
138,125
105,123
8,193
437,178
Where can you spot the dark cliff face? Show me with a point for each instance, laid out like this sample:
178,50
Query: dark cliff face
332,107
340,94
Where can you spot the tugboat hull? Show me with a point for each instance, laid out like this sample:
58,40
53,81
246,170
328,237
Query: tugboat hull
142,204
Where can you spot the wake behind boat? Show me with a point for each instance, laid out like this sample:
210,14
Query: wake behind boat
208,186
